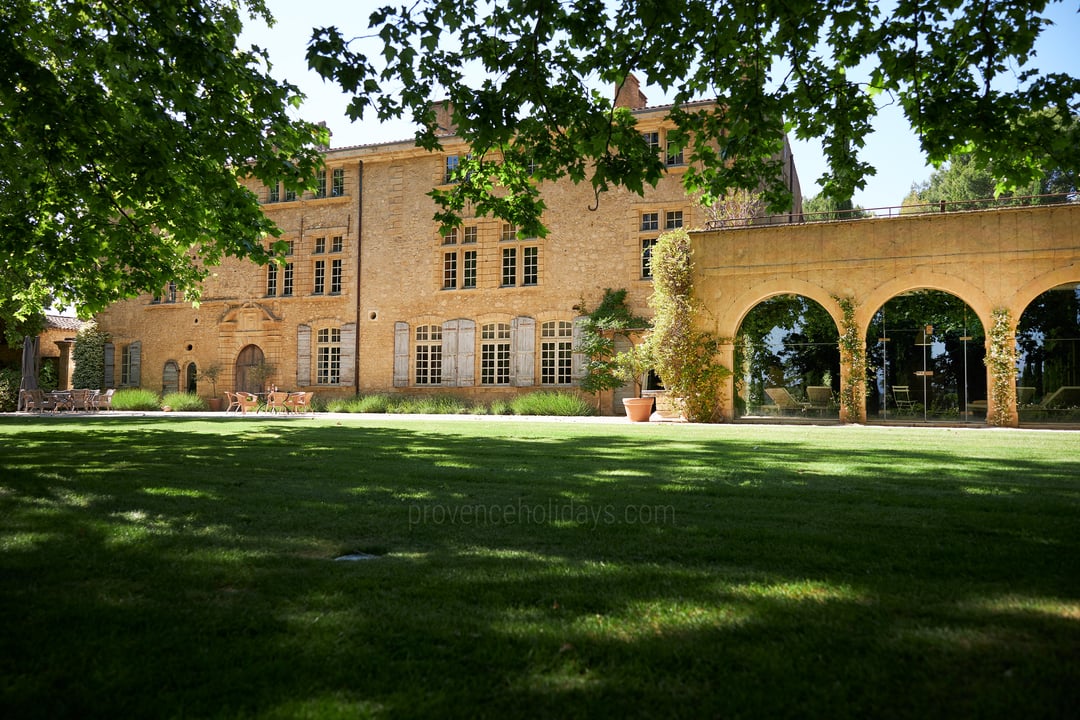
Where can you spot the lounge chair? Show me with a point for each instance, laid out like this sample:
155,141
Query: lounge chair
784,401
820,397
1024,395
901,395
1066,396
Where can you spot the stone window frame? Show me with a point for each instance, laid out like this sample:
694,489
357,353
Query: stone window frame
427,354
318,275
496,354
328,356
336,274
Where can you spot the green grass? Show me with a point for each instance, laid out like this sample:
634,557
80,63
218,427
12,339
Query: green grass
173,567
136,399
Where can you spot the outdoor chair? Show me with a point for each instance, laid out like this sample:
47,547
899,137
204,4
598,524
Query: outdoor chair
80,399
298,402
275,402
234,401
901,395
103,401
247,401
784,401
35,401
820,397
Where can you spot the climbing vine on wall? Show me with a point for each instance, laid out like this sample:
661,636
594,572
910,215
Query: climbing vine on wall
1001,359
685,357
852,354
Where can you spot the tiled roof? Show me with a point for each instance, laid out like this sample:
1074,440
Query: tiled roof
62,322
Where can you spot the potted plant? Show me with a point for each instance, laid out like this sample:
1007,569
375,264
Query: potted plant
631,366
261,373
211,373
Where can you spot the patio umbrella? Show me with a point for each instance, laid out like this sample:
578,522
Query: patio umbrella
29,365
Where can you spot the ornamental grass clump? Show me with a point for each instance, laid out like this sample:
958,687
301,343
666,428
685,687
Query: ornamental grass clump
561,404
182,402
135,399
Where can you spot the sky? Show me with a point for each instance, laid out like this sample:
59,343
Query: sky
892,148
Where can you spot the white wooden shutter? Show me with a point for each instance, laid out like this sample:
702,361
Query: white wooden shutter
523,341
466,353
348,354
303,355
401,354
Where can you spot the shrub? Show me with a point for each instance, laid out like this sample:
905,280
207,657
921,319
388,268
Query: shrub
182,402
135,399
89,357
429,405
10,380
501,407
551,403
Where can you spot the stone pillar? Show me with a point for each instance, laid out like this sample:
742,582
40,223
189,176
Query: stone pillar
67,364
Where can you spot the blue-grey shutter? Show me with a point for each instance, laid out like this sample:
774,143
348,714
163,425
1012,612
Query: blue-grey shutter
449,352
401,354
348,353
108,379
303,355
135,350
523,341
466,353
578,358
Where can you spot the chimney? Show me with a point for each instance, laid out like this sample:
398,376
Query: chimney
629,95
444,117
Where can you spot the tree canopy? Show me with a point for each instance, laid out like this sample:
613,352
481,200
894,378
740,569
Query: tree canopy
518,74
125,130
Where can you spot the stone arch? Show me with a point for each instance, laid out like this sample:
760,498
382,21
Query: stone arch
746,301
976,299
249,357
1037,286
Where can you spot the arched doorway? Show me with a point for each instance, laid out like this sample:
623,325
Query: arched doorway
247,379
191,381
170,378
1048,358
925,352
787,361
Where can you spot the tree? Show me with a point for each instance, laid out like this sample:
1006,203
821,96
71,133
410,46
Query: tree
823,207
772,66
125,130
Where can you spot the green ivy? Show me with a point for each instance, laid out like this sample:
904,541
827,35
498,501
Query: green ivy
685,357
852,354
1001,359
610,319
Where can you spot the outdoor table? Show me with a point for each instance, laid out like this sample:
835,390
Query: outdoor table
61,400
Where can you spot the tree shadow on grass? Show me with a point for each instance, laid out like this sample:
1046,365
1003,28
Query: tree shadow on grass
161,569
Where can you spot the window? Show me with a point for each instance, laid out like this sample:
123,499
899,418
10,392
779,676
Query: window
556,353
271,279
672,219
453,163
338,187
320,187
530,265
335,277
509,267
168,295
287,281
290,195
429,355
320,277
508,233
449,281
337,244
674,154
450,238
647,245
320,246
495,354
650,221
470,235
274,195
652,139
328,356
468,278
125,366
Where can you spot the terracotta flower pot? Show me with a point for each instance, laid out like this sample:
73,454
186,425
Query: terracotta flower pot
638,409
216,404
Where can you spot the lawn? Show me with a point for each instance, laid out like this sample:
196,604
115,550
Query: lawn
176,567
